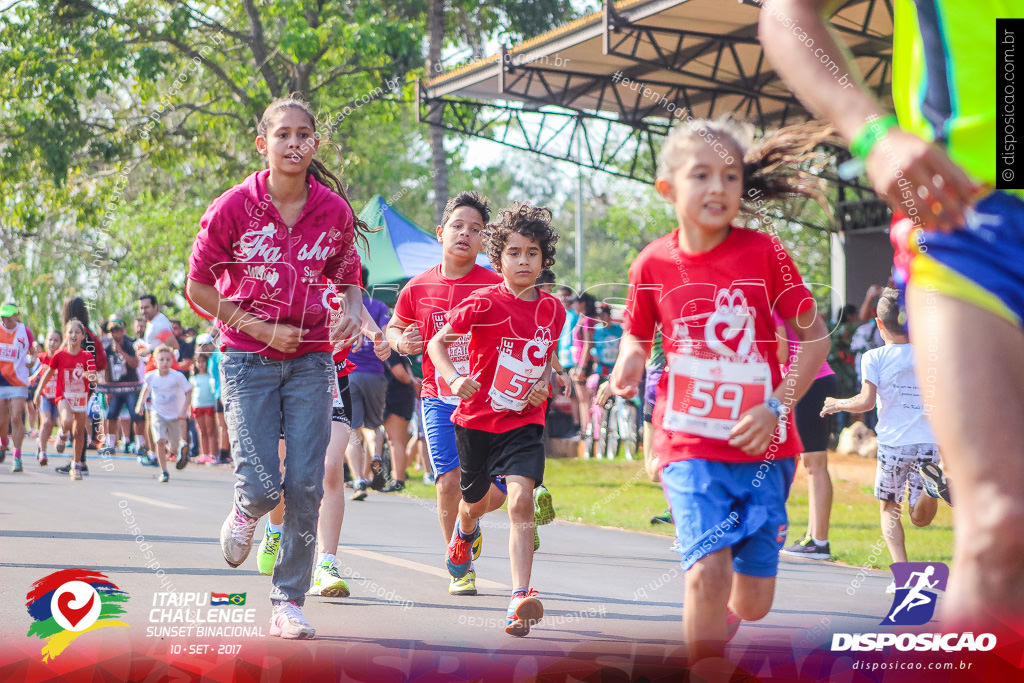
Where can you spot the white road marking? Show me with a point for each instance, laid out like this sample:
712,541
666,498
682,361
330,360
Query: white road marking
416,566
148,501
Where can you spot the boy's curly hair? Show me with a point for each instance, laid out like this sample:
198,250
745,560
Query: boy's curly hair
523,219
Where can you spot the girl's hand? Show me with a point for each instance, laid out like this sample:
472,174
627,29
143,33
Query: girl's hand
831,406
411,341
577,374
347,330
464,387
604,392
538,394
93,377
281,336
753,433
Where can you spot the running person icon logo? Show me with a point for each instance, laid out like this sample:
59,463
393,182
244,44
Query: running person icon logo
915,599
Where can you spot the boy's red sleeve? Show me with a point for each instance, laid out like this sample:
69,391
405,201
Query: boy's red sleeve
463,317
403,306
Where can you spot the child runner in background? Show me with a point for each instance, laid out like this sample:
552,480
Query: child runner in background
399,402
419,314
814,430
170,392
513,328
75,369
724,441
907,454
259,263
48,412
204,404
15,342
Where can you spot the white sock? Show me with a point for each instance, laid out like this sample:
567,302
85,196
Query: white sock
325,557
273,528
110,441
818,542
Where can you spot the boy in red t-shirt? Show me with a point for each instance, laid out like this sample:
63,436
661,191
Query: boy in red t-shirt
420,312
724,440
498,431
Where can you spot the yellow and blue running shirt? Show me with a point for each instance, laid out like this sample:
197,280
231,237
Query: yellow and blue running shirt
944,89
944,76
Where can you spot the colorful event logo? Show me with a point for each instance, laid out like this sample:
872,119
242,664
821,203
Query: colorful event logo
68,603
915,599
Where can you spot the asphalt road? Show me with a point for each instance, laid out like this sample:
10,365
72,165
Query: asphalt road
607,593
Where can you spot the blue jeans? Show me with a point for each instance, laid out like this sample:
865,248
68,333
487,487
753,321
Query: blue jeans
264,398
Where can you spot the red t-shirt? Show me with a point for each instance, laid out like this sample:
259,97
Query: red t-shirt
715,310
426,300
72,383
510,346
50,390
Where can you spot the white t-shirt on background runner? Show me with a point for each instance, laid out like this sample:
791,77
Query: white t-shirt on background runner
169,394
901,418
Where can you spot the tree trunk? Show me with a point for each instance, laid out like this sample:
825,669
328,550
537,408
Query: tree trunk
438,159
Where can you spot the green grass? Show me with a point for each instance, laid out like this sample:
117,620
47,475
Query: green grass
618,494
856,529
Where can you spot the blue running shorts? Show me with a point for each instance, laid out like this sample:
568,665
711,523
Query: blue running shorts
440,434
718,505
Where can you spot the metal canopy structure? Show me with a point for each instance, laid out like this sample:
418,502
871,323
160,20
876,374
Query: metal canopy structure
603,90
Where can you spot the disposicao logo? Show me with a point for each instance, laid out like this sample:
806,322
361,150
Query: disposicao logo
915,599
68,603
914,605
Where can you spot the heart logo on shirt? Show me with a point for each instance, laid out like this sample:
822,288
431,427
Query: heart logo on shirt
729,331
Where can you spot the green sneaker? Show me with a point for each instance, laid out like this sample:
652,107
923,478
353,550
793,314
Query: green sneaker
543,509
327,582
464,586
266,556
536,539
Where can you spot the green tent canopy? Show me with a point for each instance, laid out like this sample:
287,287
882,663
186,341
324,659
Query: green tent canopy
398,251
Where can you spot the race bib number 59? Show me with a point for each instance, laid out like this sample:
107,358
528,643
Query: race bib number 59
707,396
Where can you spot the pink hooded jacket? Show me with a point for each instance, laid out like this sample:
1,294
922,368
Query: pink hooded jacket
283,275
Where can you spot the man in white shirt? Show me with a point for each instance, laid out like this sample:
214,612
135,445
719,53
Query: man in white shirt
158,327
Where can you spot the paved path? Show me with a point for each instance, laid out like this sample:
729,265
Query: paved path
606,593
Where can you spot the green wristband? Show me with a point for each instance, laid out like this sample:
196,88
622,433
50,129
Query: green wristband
868,136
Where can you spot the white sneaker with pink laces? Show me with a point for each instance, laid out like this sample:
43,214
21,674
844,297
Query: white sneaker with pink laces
287,621
236,536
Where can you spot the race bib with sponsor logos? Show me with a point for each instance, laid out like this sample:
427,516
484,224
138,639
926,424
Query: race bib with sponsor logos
716,373
8,353
521,364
